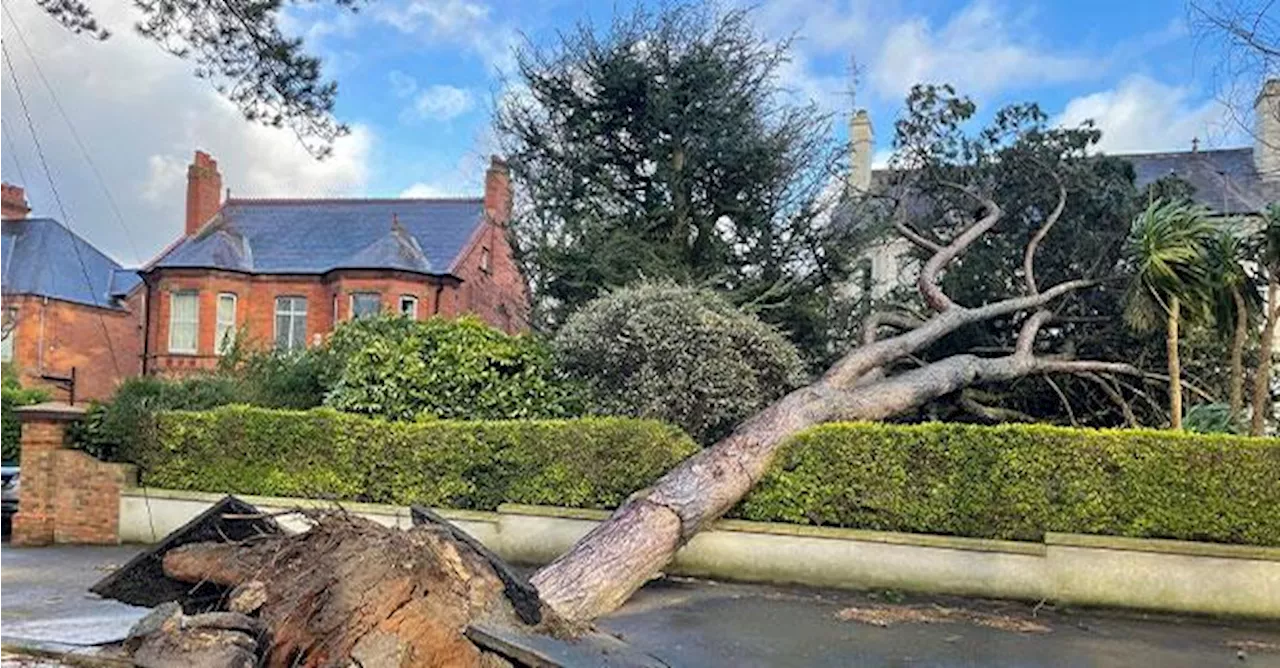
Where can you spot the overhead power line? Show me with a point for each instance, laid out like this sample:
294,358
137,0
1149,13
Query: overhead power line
102,183
53,188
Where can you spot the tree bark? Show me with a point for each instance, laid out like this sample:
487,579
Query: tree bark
1238,339
607,565
1175,365
1262,380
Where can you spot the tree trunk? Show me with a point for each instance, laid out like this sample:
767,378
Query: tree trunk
1175,366
1238,340
607,565
1262,380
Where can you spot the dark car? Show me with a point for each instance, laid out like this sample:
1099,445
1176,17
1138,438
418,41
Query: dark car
9,495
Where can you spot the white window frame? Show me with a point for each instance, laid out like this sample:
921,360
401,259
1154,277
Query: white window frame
11,333
413,311
364,293
486,260
224,332
175,347
292,340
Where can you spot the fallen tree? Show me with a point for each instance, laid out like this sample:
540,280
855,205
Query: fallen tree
881,378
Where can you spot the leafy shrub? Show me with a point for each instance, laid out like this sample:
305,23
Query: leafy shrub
119,429
406,369
1212,418
1019,481
591,463
676,354
13,395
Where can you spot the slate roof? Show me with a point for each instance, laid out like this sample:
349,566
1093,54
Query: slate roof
1225,180
42,257
299,236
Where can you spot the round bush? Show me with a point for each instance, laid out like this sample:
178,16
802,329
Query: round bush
677,354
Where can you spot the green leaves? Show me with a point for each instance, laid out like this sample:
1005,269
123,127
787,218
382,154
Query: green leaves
1019,481
322,453
404,369
676,354
12,396
1168,246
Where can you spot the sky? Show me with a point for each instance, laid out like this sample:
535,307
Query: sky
417,80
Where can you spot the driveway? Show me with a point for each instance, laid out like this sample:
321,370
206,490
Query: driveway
699,623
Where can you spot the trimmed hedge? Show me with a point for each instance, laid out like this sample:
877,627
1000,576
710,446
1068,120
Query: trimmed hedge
1013,482
321,453
1019,481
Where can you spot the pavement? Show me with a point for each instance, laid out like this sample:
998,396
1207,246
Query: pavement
44,597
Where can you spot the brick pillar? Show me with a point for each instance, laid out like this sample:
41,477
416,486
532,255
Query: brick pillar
65,496
43,428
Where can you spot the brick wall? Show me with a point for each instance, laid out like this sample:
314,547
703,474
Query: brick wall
255,306
497,293
52,336
66,496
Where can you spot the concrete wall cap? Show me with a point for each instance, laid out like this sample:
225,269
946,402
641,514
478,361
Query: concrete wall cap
50,410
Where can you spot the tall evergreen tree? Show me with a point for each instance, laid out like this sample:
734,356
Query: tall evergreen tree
667,148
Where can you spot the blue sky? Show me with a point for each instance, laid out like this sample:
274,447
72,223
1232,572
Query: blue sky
417,79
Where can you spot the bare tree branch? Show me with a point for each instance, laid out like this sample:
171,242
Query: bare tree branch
1029,256
1114,395
928,281
1062,397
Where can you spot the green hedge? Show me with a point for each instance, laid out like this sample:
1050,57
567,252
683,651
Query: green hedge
588,463
1019,481
1013,482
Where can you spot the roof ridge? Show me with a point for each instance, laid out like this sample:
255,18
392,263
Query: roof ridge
1173,153
345,200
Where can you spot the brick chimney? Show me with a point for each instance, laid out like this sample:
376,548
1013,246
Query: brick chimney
13,202
497,191
860,148
1266,140
204,191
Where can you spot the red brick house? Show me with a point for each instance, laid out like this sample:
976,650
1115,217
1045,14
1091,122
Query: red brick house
70,311
285,272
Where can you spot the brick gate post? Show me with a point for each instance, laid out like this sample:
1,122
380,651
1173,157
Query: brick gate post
43,429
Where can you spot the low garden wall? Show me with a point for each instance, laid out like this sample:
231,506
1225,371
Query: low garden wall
1065,568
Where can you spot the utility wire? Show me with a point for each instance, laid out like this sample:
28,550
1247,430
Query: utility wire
48,173
12,150
102,183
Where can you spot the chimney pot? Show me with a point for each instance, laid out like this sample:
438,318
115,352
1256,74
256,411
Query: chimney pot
13,202
861,144
497,191
204,192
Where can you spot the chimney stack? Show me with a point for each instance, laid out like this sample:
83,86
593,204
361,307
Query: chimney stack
204,192
497,191
1266,140
13,202
860,148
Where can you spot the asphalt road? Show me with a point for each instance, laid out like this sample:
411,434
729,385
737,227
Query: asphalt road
43,596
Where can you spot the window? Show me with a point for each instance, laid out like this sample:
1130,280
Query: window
184,321
365,304
225,332
291,323
409,306
10,325
486,260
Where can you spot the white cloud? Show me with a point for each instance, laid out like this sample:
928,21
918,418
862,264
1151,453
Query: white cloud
454,22
442,103
142,113
427,190
1142,114
402,85
976,51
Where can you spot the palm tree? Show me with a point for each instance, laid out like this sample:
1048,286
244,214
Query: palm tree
1234,301
1167,246
1270,261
